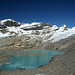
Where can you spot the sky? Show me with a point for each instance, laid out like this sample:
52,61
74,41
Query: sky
54,12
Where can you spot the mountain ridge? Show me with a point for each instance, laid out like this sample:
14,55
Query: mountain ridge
33,35
10,27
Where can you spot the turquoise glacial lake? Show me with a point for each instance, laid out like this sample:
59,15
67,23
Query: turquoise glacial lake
30,59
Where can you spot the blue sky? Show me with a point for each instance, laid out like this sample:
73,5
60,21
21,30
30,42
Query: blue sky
57,12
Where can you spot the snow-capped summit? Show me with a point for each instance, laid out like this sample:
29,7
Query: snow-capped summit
64,25
63,28
53,33
10,27
54,28
7,20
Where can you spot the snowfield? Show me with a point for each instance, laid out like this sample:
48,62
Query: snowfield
59,34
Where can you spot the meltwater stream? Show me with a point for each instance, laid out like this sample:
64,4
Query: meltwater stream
30,59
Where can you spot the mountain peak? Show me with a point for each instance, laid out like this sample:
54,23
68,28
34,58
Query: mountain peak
64,26
6,20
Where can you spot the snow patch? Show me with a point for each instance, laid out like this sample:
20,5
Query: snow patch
54,28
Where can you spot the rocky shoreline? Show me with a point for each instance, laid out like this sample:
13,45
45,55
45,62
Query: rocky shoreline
59,65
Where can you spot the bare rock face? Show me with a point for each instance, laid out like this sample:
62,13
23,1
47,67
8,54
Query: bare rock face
2,26
24,41
4,31
8,22
11,23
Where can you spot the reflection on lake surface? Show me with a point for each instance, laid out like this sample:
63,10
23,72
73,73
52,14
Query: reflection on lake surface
28,59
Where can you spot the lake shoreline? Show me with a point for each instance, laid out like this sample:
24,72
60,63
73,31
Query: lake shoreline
59,65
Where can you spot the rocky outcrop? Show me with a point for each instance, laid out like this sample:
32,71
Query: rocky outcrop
2,26
38,26
8,22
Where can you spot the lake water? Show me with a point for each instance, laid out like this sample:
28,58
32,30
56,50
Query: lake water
30,59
